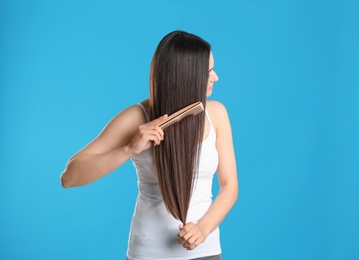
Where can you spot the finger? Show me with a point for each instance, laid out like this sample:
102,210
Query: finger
155,139
160,132
186,237
180,226
153,129
189,238
159,121
185,229
182,232
193,246
151,135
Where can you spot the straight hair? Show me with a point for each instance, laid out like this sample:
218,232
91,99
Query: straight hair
179,77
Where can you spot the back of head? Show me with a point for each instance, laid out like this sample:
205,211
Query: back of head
179,75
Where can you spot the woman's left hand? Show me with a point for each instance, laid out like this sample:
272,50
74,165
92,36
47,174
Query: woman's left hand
190,236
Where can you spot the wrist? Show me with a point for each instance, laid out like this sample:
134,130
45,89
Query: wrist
128,151
205,229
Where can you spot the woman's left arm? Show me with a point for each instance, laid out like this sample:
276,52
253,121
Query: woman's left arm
191,235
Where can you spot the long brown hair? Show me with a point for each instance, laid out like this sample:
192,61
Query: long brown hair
179,75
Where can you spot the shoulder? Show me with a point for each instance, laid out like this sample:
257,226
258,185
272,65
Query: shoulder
133,115
218,114
216,110
125,123
216,107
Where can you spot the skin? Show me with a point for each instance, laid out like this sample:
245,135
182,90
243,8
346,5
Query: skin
128,134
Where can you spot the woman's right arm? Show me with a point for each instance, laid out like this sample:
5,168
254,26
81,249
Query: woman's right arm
123,137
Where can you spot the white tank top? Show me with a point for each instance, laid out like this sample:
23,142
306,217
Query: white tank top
153,233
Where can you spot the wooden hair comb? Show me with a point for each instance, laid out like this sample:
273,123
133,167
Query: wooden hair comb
192,109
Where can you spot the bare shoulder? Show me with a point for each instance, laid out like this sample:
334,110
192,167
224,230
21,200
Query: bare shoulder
218,114
216,108
125,123
131,116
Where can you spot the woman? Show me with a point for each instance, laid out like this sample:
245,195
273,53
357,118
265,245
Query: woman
174,217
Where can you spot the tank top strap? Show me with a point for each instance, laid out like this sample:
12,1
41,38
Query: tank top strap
144,111
209,119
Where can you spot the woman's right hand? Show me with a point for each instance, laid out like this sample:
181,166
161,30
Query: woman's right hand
146,135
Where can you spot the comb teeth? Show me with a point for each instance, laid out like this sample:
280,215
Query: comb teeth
192,109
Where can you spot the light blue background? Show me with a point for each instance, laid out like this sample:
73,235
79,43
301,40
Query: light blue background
288,76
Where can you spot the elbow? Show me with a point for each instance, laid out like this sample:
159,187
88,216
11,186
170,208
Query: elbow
67,176
235,194
65,182
234,191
